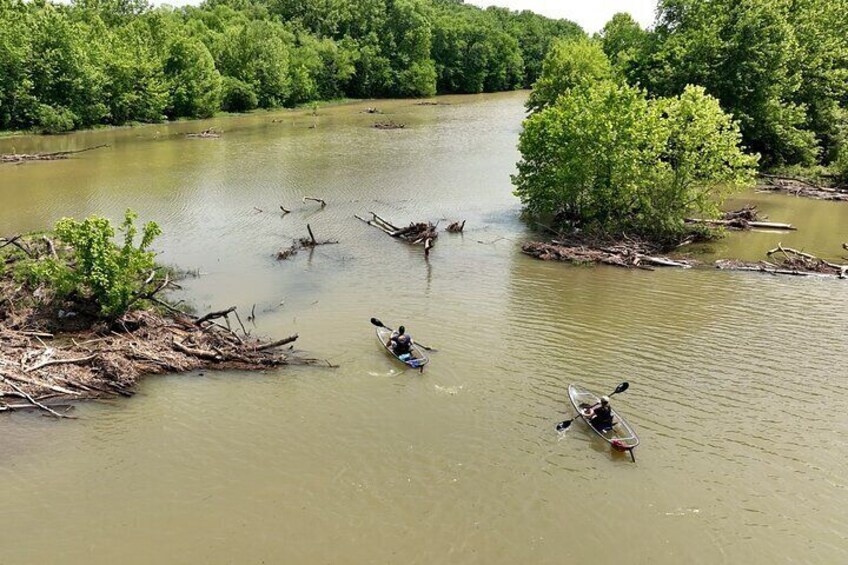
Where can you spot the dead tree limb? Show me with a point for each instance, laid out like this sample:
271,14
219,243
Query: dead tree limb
15,240
277,343
78,361
215,315
320,200
456,227
742,224
284,210
20,157
421,233
33,401
199,353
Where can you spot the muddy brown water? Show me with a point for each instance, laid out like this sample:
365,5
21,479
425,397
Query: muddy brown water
738,381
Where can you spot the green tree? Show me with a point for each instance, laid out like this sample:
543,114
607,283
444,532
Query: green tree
62,69
745,53
98,269
626,45
194,83
606,158
569,64
135,85
237,96
257,54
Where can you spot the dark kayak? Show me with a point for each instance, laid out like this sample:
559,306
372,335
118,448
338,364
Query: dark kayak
621,435
417,359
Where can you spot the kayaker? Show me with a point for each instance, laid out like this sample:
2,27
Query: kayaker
600,415
401,343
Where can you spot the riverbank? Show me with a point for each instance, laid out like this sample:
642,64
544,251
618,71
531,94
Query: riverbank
308,108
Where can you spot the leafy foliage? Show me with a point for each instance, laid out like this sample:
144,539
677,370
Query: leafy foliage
97,269
116,61
604,157
570,63
780,67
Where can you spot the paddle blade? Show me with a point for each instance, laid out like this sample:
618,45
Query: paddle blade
562,426
622,387
377,323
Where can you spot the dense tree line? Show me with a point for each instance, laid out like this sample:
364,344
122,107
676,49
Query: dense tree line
116,61
780,67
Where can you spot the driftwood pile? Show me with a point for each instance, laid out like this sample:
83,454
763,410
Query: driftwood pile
205,134
389,125
60,349
787,261
797,186
745,218
303,243
630,254
58,155
38,369
420,233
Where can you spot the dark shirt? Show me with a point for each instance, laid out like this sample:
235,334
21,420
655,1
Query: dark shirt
401,344
601,417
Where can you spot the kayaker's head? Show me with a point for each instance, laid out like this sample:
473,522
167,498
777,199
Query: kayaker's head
401,330
604,400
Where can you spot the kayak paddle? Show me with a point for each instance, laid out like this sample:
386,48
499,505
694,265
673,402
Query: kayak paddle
380,324
562,426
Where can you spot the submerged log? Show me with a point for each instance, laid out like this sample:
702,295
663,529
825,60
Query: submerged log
303,243
788,261
745,218
389,125
21,157
456,227
205,134
319,200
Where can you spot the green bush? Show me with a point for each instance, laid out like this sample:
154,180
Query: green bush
54,120
605,158
93,267
237,96
840,165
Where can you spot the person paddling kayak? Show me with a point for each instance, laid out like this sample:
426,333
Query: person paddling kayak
401,343
600,415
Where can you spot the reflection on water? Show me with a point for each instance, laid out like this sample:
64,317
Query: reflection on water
737,381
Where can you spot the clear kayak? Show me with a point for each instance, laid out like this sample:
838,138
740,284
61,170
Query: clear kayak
417,357
621,435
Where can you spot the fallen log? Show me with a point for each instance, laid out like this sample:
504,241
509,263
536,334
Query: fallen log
55,156
797,186
32,401
278,343
791,262
628,255
807,262
420,233
205,134
741,224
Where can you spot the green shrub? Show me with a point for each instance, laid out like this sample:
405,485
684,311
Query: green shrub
605,158
237,96
54,120
840,165
93,267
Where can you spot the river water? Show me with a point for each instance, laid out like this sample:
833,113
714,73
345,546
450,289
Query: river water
738,381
